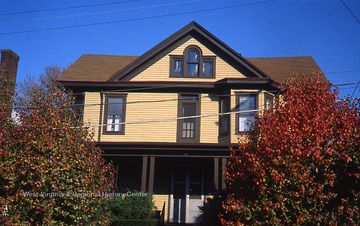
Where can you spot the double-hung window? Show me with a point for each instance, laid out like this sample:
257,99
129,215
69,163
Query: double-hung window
246,106
189,123
192,63
114,114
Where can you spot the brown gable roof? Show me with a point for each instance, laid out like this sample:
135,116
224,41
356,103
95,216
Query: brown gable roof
95,68
193,29
282,68
100,68
105,68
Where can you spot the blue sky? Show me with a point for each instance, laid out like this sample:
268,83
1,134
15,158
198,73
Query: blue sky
49,32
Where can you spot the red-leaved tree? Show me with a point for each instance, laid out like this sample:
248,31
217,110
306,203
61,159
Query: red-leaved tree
51,171
301,164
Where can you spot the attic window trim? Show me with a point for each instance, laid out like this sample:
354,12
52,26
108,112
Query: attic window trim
185,64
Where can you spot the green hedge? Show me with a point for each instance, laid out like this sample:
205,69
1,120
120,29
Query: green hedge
134,222
132,205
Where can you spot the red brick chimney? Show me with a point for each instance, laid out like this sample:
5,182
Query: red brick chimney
8,71
9,63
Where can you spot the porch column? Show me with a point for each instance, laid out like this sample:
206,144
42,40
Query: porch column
223,168
144,174
151,174
216,174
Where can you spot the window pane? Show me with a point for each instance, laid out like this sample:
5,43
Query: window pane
208,68
188,128
189,109
193,69
245,122
193,56
268,102
113,123
178,67
189,97
115,105
247,103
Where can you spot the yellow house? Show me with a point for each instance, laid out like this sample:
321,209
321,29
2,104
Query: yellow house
168,117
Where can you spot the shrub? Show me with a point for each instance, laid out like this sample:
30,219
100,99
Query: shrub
134,222
132,208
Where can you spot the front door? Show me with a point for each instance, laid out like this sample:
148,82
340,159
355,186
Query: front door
186,195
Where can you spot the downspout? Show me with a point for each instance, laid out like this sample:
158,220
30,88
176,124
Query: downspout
101,115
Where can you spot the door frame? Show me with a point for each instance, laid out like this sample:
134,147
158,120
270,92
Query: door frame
187,196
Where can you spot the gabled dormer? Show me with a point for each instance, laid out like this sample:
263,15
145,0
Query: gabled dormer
189,54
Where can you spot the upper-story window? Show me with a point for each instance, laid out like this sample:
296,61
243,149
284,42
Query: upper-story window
114,116
268,102
192,64
224,117
188,130
246,105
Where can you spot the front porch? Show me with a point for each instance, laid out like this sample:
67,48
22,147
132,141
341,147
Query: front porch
179,183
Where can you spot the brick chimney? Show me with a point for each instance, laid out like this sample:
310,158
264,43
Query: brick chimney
9,63
8,71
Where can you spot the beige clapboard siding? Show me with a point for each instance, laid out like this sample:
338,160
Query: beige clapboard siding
209,125
159,71
164,131
159,201
92,111
139,110
137,113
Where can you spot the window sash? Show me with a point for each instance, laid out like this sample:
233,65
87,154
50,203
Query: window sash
114,114
246,102
192,69
207,68
193,56
269,101
224,120
177,67
113,123
188,128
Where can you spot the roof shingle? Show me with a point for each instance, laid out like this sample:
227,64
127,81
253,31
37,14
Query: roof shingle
282,68
95,68
100,68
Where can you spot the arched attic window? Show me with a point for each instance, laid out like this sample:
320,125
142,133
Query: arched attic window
192,64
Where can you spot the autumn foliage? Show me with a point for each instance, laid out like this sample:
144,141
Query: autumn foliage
51,171
301,165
